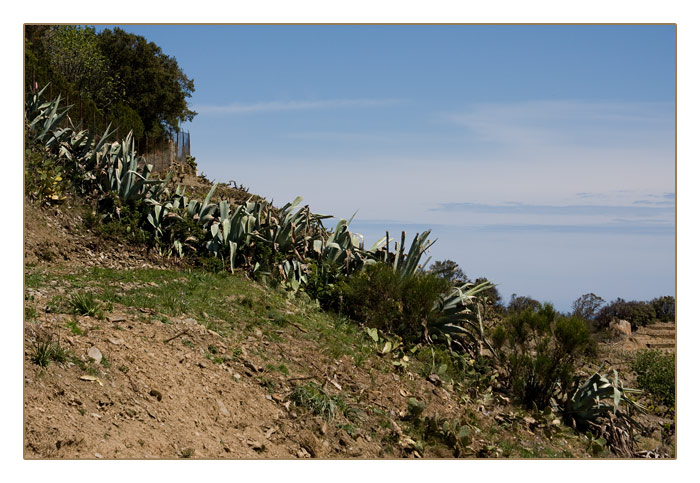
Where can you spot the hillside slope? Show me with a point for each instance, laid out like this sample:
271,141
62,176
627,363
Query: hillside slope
176,362
195,364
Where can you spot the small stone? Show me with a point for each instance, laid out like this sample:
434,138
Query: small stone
223,410
256,445
98,455
95,354
237,376
435,379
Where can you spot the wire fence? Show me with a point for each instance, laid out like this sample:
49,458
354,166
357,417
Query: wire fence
163,153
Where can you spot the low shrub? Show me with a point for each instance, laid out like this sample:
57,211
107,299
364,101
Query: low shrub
325,285
381,298
537,350
656,373
45,178
118,221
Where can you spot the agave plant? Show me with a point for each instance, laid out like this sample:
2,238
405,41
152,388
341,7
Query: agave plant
345,249
234,229
457,319
118,172
293,230
43,119
592,399
407,264
595,405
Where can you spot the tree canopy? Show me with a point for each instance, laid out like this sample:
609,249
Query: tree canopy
118,77
587,305
152,84
449,270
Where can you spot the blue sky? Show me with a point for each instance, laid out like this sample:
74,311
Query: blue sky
541,157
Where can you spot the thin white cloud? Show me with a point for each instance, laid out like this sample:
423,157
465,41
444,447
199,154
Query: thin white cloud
565,122
292,105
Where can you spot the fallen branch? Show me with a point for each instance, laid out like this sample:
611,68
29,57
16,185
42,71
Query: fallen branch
297,326
184,332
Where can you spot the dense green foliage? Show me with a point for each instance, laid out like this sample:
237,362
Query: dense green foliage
448,269
656,373
45,180
638,314
664,308
112,77
538,349
152,83
518,303
380,297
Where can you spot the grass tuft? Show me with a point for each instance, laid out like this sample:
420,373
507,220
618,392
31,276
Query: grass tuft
313,397
47,350
84,303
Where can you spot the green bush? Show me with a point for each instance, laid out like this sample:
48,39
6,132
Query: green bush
323,284
537,349
638,314
381,298
656,373
665,308
45,178
119,221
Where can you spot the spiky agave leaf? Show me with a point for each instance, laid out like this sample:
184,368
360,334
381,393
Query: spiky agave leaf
591,400
455,317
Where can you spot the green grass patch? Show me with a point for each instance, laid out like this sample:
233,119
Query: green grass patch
73,326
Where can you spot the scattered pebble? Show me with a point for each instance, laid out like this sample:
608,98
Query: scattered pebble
95,354
223,410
